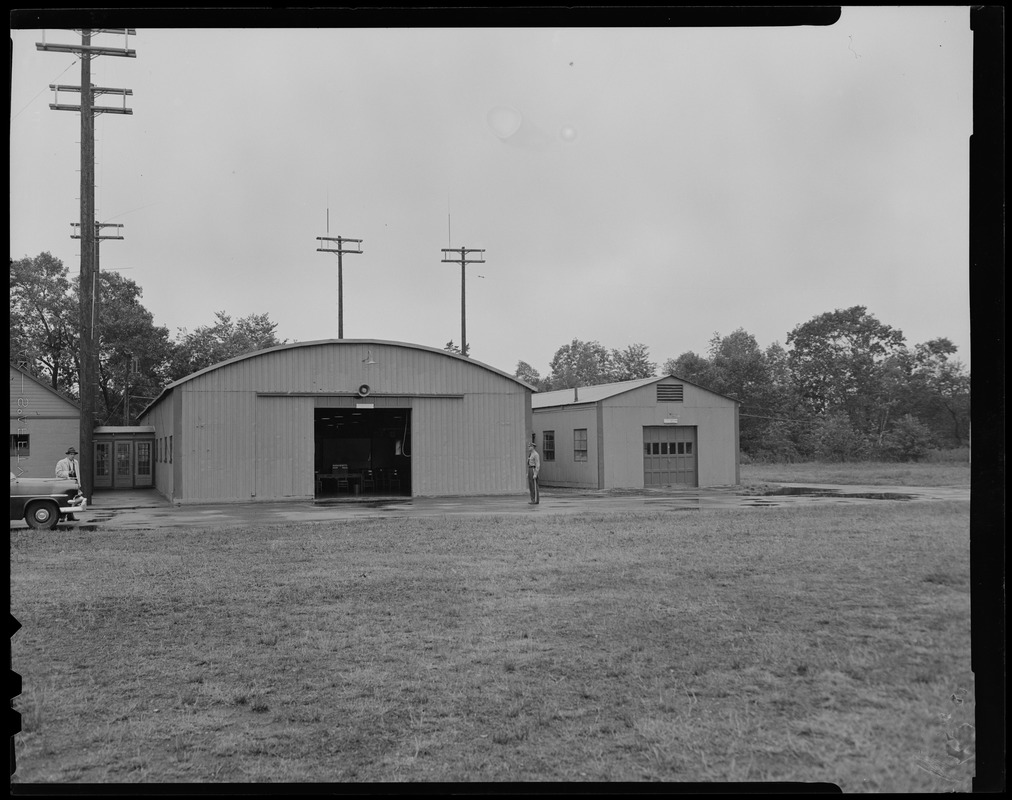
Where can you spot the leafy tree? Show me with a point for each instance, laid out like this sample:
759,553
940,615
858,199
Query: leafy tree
737,365
939,392
580,364
450,347
134,353
837,363
45,333
632,363
691,366
225,339
44,321
529,375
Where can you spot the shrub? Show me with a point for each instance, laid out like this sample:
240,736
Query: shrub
907,440
836,439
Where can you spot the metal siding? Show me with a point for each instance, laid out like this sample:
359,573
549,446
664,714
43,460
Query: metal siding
564,471
217,445
711,414
161,418
283,466
473,445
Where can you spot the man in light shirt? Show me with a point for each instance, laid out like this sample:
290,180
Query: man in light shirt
69,467
533,468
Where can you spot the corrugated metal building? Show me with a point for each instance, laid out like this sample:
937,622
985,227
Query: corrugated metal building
645,433
341,416
44,424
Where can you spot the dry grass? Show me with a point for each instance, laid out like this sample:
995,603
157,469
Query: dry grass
789,644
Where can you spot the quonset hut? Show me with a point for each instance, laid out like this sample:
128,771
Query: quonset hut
340,417
646,433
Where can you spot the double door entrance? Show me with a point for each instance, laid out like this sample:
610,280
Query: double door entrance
124,464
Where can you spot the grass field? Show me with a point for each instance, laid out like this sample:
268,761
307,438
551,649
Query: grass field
809,643
876,473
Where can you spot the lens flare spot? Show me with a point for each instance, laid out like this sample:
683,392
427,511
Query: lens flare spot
504,121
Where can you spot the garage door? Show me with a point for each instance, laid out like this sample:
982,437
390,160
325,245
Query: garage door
669,456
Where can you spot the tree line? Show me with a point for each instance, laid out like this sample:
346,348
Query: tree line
137,358
845,387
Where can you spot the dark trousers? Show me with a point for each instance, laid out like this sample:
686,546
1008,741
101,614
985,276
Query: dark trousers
532,484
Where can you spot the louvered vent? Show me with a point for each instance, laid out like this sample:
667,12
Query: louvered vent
669,393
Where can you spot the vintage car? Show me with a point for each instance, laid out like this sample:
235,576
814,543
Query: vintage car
43,502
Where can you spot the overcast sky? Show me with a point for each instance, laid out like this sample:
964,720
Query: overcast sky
628,185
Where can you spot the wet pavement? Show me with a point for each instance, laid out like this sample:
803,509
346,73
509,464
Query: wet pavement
147,510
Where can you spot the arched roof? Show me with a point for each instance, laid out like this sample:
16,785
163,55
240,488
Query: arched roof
318,342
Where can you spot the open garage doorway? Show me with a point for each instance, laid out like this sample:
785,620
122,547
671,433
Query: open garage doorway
362,451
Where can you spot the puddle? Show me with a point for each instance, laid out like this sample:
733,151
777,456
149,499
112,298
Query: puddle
810,491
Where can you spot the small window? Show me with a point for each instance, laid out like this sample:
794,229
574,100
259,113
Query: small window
664,448
656,448
580,444
170,449
548,445
688,448
21,445
681,448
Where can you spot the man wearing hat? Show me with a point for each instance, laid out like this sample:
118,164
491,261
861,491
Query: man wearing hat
69,468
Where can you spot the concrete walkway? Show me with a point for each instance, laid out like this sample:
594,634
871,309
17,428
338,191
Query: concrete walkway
145,509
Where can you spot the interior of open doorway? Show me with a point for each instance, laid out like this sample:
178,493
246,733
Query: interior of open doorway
362,451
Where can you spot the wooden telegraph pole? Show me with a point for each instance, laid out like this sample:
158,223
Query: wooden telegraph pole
463,260
88,320
341,242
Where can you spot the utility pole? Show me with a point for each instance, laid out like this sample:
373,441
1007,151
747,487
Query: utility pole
99,238
88,377
463,260
357,250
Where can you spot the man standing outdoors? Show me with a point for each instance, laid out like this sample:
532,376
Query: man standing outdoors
69,468
533,468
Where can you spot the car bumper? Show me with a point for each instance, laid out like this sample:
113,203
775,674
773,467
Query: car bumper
75,506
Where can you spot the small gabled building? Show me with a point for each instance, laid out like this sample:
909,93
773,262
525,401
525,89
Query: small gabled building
44,423
646,433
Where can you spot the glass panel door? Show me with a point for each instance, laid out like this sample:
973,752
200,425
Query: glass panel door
124,476
103,465
143,473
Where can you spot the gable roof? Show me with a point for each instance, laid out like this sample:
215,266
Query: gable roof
602,391
18,371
